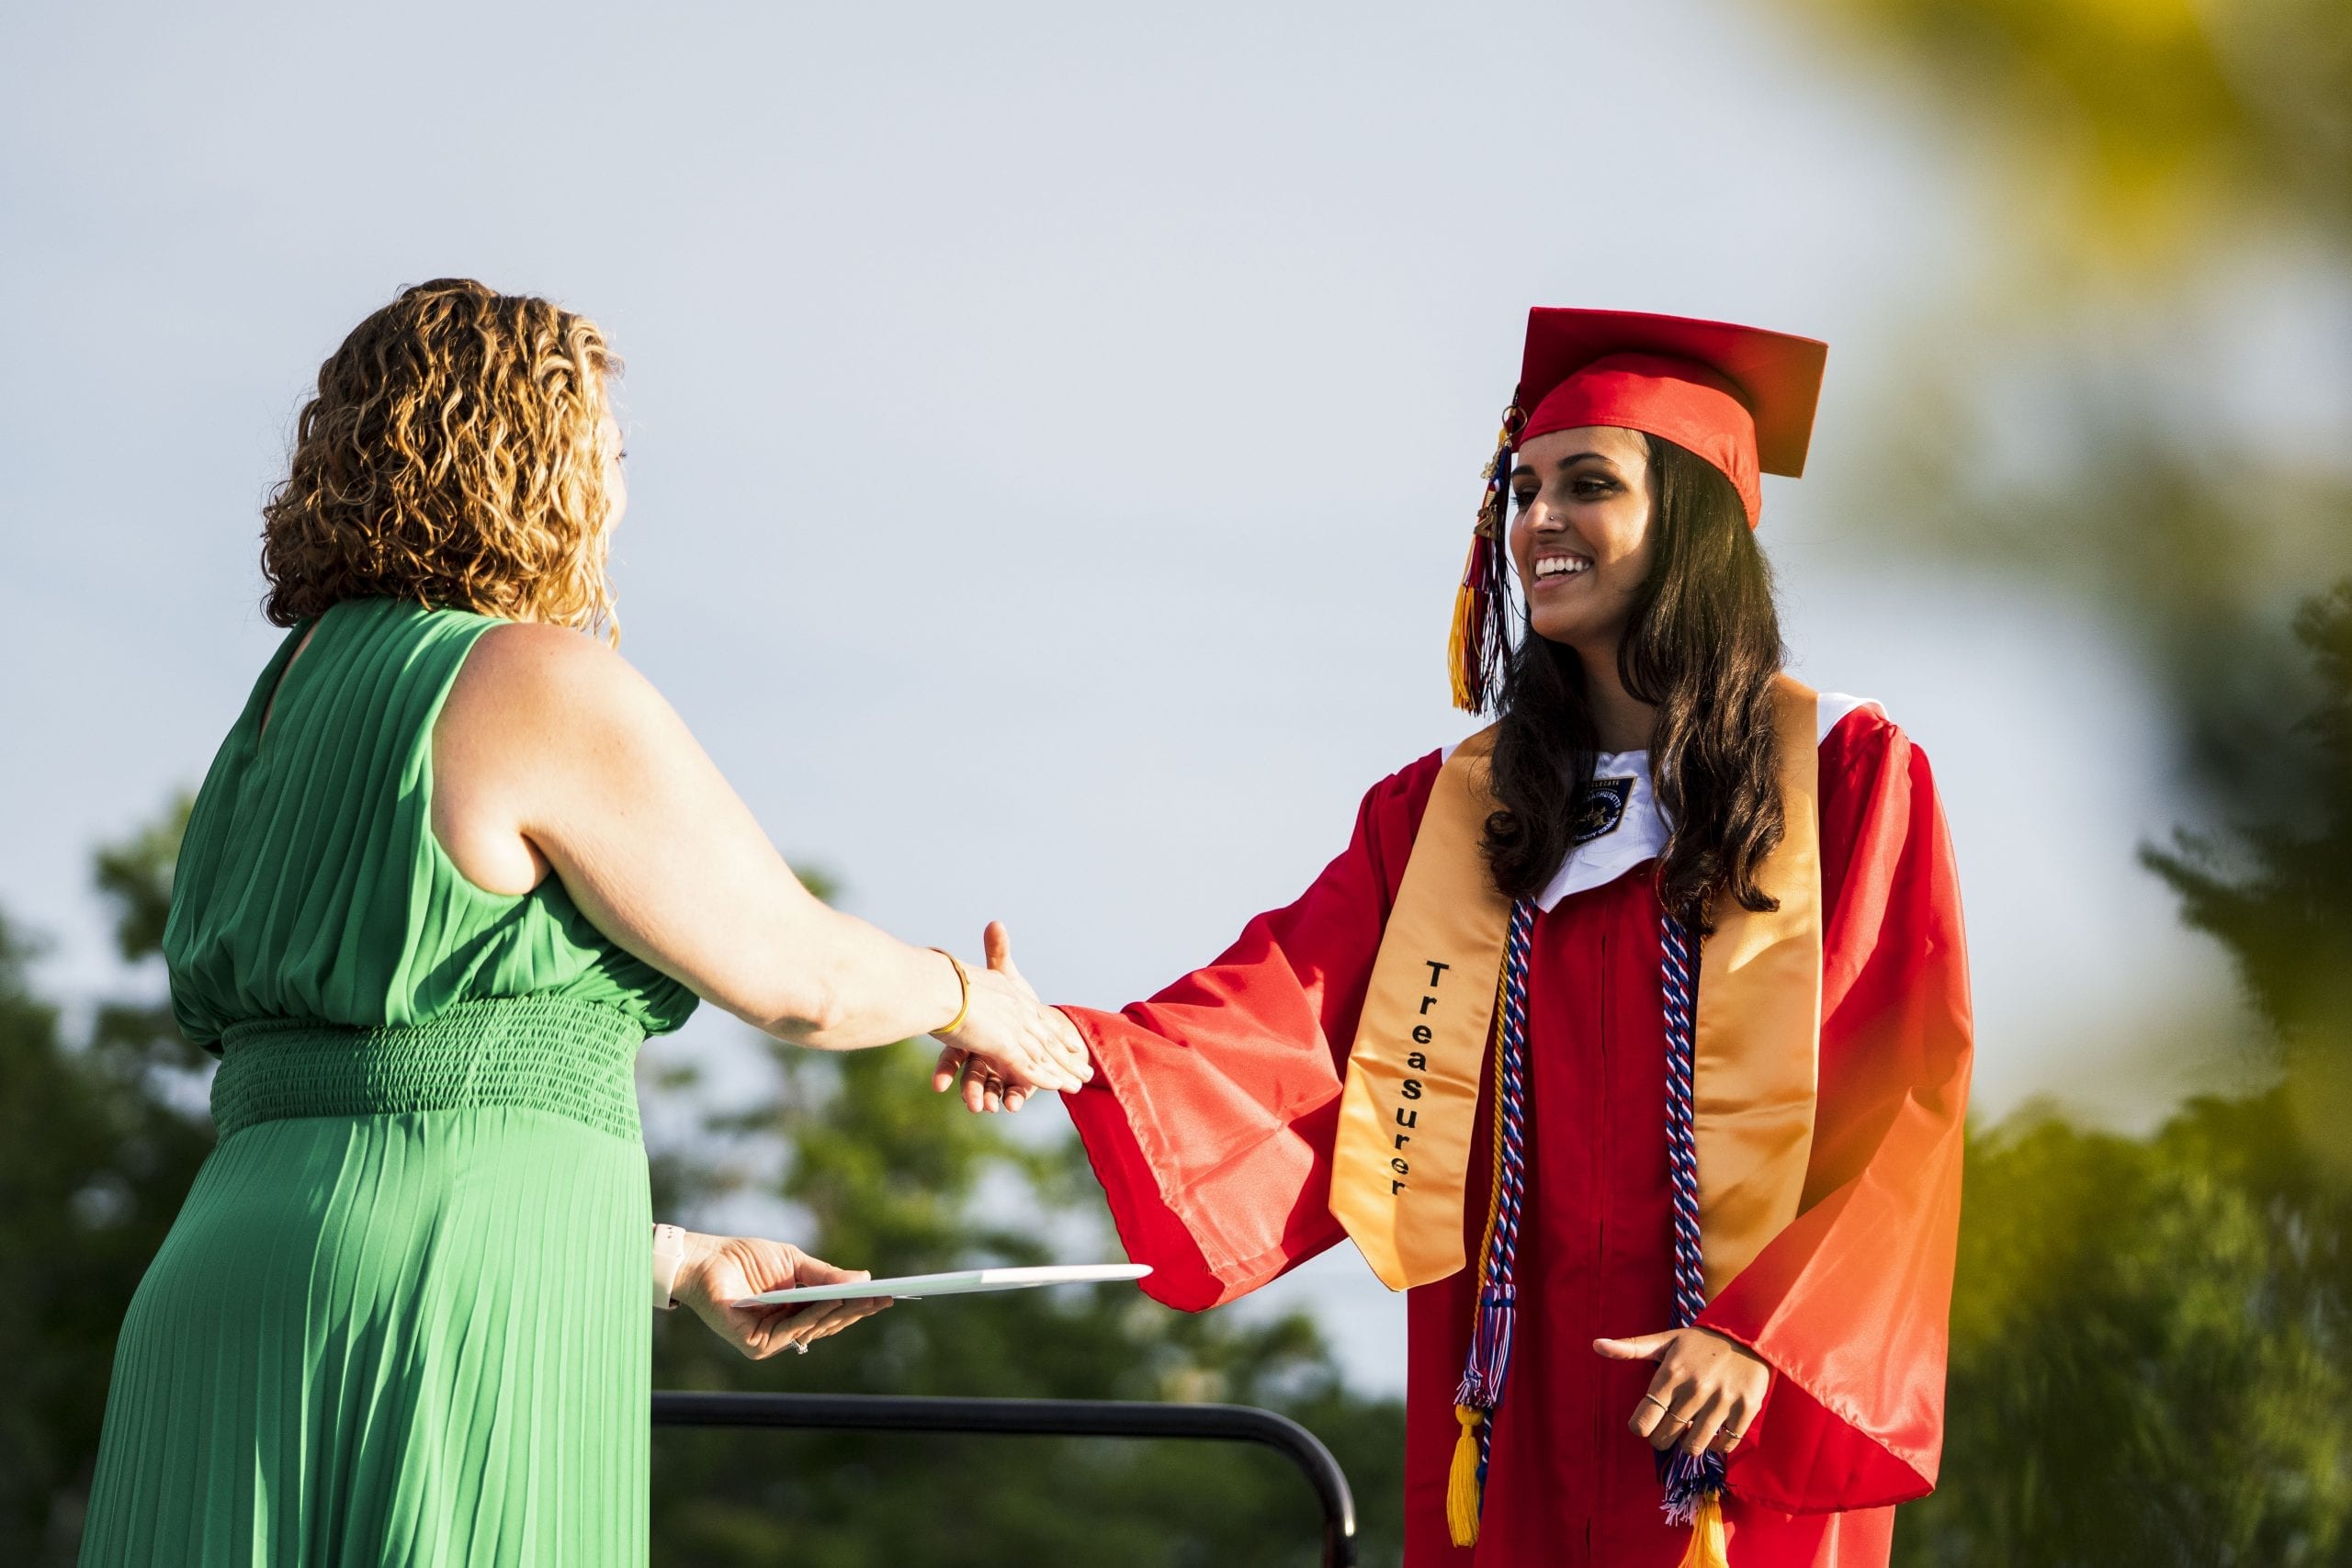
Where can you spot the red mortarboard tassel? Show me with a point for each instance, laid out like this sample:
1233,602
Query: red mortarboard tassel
1478,646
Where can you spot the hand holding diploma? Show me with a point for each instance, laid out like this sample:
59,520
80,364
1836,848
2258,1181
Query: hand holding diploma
721,1272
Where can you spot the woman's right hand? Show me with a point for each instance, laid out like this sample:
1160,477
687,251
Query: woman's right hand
722,1272
1023,1044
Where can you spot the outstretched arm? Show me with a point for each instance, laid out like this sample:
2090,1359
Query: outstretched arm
1211,1115
552,754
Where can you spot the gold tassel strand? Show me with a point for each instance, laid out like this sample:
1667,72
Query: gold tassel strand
1462,1481
1462,653
1464,1495
1469,647
1707,1549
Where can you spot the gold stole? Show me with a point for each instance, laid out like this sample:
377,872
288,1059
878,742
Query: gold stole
1400,1162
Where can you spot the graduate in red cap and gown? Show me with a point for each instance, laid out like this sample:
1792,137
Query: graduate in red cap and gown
1630,1036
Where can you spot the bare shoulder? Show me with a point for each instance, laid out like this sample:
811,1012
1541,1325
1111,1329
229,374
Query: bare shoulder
538,662
543,731
521,677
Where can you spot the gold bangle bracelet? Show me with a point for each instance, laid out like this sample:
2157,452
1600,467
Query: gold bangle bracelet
964,993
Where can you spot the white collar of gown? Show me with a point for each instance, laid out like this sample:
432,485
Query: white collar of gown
1639,831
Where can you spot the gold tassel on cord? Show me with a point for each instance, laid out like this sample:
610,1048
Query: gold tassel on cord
1471,649
1461,658
1462,1489
1462,1482
1706,1548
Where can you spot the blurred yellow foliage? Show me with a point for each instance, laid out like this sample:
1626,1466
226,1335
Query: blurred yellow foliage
2163,125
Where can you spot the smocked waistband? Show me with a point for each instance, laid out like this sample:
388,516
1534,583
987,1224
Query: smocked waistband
572,1058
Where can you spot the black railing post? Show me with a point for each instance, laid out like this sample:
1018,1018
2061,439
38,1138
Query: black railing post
1040,1417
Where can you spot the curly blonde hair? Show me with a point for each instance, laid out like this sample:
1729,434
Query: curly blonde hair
453,454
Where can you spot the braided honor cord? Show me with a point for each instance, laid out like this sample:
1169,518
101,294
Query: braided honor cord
1481,1391
1689,1480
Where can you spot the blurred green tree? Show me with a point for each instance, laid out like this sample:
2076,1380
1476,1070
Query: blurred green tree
2276,889
100,1137
2150,1360
2152,1338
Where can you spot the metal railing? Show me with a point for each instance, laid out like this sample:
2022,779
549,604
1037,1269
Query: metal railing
1040,1417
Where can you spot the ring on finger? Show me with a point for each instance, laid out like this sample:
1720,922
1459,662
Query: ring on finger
1654,1399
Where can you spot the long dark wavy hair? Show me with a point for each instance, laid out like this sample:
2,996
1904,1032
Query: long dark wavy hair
1703,644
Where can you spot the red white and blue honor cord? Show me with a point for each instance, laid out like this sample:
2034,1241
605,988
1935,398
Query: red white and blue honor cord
1693,1484
1480,1394
1689,1478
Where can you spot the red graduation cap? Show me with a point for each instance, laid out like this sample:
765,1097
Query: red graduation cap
1740,397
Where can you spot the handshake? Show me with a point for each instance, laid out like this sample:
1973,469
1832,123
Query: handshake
1008,1043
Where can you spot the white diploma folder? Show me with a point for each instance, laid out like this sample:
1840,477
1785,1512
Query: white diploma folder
969,1281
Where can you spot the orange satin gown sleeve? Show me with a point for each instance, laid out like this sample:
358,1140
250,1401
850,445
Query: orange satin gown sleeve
1210,1117
1850,1303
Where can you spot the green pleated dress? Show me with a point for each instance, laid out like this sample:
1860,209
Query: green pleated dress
404,1315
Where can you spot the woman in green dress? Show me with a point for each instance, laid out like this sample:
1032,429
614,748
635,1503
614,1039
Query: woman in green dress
453,864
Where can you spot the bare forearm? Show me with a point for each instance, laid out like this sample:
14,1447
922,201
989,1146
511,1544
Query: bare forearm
856,987
749,939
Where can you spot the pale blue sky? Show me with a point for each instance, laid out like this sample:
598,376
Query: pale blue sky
1053,430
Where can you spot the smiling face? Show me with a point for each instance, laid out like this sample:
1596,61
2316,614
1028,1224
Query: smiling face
1580,534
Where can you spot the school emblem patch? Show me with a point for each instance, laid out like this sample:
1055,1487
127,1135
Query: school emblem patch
1604,808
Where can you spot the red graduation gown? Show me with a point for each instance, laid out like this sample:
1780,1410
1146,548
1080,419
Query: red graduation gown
1210,1120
